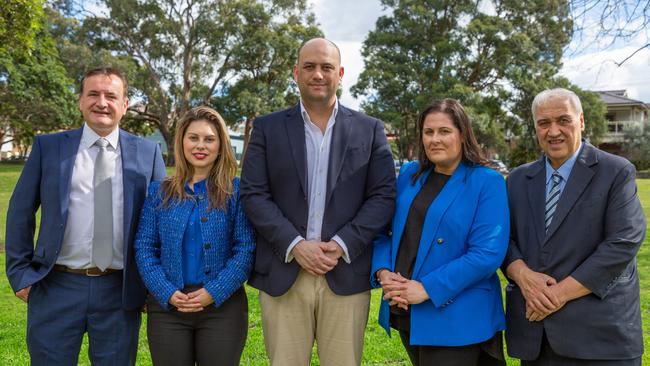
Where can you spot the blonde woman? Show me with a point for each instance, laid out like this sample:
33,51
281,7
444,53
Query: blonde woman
194,250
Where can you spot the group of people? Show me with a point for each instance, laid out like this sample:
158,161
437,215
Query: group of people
317,220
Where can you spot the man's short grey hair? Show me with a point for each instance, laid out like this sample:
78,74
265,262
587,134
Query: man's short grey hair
548,94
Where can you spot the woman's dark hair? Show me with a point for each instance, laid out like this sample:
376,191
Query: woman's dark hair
470,150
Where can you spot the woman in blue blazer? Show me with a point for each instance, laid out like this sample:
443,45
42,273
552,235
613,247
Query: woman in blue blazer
194,250
449,234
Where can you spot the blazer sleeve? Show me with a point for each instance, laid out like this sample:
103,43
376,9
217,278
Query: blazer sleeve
487,243
21,220
147,250
238,266
625,227
377,209
256,198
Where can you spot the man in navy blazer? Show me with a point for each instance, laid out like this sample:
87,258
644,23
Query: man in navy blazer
317,184
68,292
576,227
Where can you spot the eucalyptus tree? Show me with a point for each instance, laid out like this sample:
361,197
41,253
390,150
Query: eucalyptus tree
191,52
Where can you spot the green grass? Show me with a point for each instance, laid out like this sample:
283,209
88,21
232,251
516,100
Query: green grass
379,349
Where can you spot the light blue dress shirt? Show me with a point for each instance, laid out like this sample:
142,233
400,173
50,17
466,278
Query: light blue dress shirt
564,170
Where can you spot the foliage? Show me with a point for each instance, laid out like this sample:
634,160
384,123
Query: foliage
199,52
637,145
35,93
20,21
488,55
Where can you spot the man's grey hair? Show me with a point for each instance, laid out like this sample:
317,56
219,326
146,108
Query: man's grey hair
548,94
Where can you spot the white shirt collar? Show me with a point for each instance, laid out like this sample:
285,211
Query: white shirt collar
89,137
307,120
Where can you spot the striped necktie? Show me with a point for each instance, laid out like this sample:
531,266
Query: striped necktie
552,199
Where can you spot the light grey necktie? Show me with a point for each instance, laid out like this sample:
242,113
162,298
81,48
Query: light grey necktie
102,254
552,199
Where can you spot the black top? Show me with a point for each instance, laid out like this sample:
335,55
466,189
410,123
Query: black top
410,243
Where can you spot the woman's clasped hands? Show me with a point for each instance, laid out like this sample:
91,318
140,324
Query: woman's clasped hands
191,302
401,291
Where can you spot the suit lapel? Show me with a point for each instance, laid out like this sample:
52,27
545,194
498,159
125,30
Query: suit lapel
295,127
404,203
581,175
436,211
68,147
129,154
338,148
537,197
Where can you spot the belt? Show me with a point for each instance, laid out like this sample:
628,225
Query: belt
91,272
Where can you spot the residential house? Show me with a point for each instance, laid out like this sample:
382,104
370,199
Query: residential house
622,112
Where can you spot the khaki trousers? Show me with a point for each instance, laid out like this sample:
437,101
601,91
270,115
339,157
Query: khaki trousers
311,311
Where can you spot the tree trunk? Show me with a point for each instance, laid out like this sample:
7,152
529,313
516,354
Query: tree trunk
169,140
248,127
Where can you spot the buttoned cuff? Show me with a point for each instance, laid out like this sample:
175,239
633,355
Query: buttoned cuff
341,243
289,257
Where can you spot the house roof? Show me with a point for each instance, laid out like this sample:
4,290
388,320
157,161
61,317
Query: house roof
619,97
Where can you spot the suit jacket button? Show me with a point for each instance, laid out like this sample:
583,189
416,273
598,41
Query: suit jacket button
204,219
206,246
440,240
207,271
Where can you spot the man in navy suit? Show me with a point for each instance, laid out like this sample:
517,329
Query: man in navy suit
90,184
317,184
576,227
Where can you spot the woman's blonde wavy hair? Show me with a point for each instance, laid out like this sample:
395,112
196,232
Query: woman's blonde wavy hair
223,171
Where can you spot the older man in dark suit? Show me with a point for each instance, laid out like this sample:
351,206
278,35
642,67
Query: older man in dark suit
81,277
317,184
577,224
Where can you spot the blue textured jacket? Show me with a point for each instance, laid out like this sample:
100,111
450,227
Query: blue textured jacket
227,251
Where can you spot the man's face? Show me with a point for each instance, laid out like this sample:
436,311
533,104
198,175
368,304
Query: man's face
103,103
559,129
318,72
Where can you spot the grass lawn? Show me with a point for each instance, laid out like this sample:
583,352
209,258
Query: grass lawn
379,349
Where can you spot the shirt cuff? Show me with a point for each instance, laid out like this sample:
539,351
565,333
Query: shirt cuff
289,257
341,243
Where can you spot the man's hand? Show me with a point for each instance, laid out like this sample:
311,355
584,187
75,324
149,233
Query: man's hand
183,303
313,257
566,290
24,293
333,250
535,287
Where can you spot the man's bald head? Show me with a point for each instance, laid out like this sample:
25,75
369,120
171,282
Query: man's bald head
319,42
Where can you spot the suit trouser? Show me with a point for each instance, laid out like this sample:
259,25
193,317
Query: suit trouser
311,311
64,306
548,357
214,336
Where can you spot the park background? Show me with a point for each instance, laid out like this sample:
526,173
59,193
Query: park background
237,55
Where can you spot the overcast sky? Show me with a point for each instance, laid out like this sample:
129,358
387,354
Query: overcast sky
347,22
